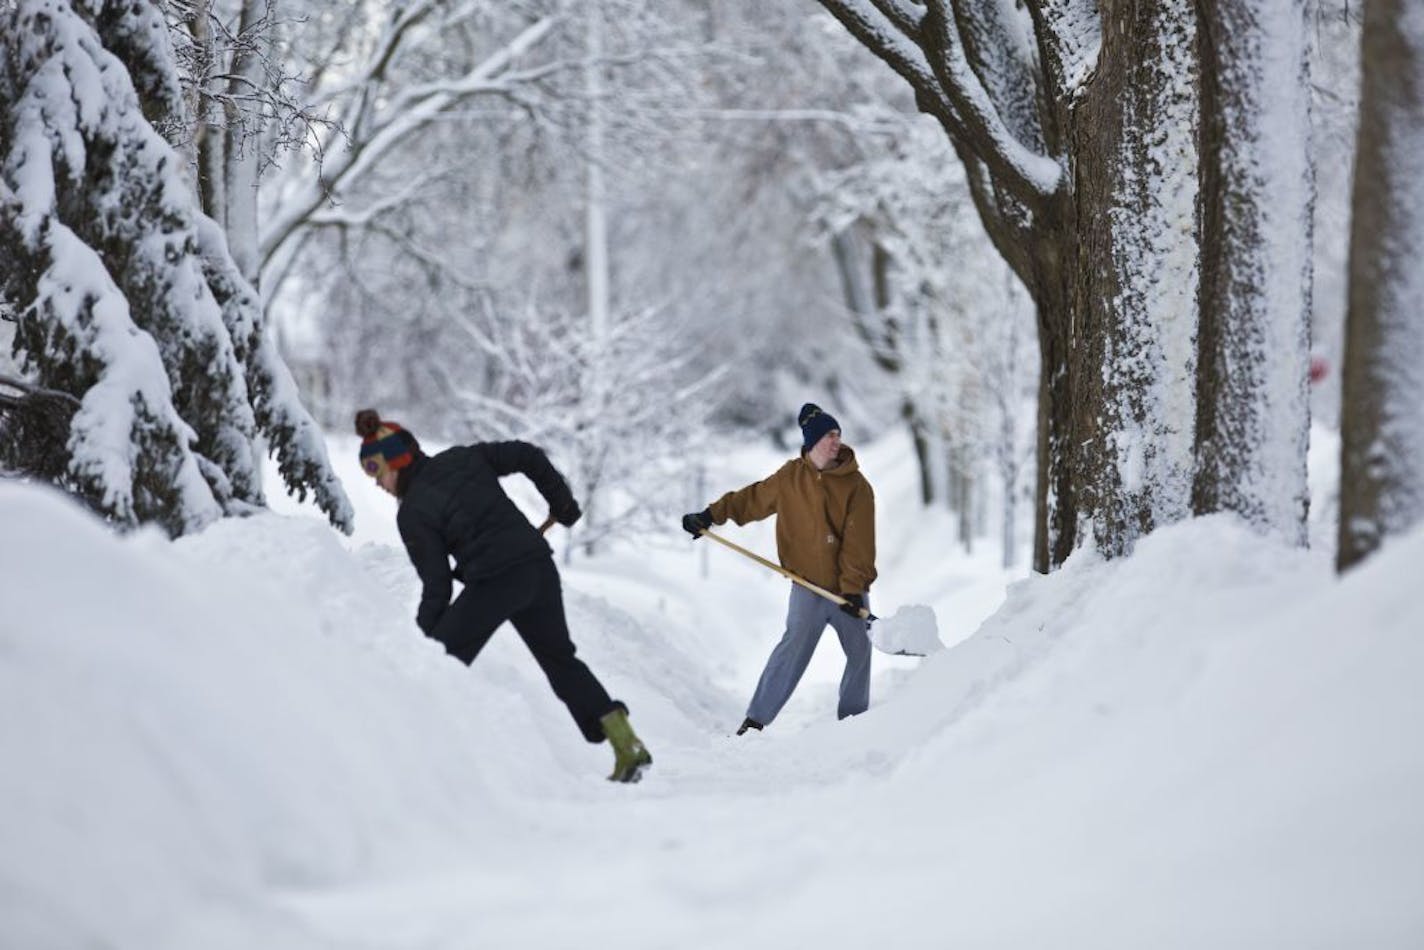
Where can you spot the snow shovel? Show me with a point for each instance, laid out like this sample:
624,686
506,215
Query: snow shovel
911,632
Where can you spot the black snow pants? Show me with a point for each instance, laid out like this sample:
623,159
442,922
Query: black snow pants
530,596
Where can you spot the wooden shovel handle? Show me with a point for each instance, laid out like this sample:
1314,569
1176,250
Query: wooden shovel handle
794,578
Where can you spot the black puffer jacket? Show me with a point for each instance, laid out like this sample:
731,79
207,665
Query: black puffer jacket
452,506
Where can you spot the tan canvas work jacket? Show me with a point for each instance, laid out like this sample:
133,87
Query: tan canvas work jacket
825,521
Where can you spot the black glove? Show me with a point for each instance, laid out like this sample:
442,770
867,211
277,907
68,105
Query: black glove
854,604
568,515
697,522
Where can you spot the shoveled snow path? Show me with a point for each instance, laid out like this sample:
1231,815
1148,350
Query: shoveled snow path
1056,775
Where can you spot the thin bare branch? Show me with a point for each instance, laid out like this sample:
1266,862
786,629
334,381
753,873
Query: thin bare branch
406,115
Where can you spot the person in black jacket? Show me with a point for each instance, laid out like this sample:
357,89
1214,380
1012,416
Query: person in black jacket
453,508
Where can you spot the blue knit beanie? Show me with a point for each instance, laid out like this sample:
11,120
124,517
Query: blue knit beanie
815,422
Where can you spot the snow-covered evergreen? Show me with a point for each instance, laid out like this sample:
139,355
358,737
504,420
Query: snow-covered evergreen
117,288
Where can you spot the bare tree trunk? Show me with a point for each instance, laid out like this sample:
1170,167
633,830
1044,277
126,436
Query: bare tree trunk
964,501
596,196
1382,419
242,141
867,300
917,427
1008,534
209,141
1055,498
596,261
1008,459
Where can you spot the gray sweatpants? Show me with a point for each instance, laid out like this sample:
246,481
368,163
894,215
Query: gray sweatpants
806,617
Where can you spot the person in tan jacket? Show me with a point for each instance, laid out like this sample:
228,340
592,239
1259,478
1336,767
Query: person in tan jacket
825,533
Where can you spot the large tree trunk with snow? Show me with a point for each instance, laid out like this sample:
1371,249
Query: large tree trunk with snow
1111,265
1252,405
1382,418
1133,147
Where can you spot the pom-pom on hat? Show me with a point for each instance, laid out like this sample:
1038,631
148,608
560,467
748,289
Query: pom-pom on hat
815,422
384,445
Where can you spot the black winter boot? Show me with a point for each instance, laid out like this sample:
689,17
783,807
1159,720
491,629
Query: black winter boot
749,724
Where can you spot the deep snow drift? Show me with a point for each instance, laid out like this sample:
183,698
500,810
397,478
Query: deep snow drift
240,740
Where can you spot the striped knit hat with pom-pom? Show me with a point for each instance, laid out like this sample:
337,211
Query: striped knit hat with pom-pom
384,445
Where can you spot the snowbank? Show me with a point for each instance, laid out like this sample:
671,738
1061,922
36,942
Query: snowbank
240,740
181,734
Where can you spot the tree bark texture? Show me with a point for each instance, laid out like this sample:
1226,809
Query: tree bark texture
1133,148
1257,184
242,140
1382,417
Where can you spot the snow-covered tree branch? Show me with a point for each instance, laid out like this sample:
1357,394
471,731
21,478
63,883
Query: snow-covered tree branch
378,118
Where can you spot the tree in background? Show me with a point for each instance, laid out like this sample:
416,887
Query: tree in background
705,183
1092,137
1252,403
417,66
1382,414
125,295
620,410
1335,87
937,308
525,211
242,112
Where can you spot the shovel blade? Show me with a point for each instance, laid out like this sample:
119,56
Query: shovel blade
911,631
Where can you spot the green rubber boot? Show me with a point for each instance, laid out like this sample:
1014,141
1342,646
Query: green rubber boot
630,756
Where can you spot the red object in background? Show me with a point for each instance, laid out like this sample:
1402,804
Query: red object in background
1319,368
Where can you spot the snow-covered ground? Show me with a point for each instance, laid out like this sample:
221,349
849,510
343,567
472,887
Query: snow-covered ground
240,740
